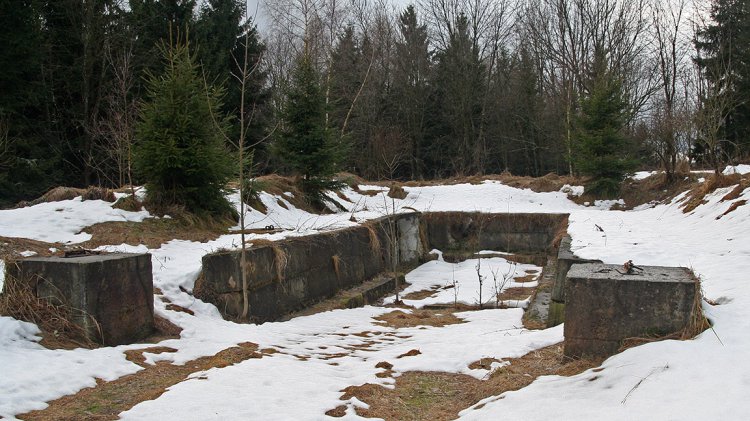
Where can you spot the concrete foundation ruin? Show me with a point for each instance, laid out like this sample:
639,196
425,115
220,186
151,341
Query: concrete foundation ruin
604,305
111,293
290,274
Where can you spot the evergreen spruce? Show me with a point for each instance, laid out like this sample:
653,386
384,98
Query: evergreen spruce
180,151
602,145
306,144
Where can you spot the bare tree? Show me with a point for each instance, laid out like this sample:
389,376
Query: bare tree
671,52
117,129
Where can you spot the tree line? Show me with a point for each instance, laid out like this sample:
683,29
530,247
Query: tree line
437,89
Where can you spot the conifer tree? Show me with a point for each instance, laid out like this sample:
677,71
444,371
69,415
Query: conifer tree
306,144
179,152
601,143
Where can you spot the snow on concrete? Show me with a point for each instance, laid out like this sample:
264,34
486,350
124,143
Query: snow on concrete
708,377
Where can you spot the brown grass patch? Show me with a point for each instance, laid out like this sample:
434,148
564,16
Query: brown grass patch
398,319
99,193
108,399
11,248
547,183
696,196
397,192
128,203
516,293
181,309
733,207
438,396
421,295
529,277
154,232
410,353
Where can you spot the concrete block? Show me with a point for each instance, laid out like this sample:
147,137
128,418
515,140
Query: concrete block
565,259
604,306
116,290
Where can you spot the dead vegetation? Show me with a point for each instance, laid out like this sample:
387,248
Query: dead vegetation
55,320
435,396
107,400
398,319
697,195
154,232
61,193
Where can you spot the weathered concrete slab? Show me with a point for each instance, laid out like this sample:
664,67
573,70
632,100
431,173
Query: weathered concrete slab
604,306
114,292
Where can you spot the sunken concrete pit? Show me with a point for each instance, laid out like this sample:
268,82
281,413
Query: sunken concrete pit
604,305
292,274
111,293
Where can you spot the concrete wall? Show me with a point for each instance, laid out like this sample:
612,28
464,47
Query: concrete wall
509,232
290,274
565,260
604,306
308,273
116,290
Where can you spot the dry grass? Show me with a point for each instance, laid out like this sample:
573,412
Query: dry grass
99,193
696,196
516,293
397,192
128,203
155,232
54,319
375,246
733,207
439,396
336,260
547,183
421,295
398,319
108,399
280,258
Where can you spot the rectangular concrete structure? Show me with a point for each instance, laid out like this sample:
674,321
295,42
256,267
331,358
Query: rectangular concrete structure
603,306
309,274
111,293
312,268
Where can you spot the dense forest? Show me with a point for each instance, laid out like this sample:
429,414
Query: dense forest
435,89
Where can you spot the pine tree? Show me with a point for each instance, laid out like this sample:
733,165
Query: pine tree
410,85
180,150
306,144
724,59
601,145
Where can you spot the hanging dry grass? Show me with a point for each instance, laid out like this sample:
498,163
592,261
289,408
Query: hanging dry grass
19,301
280,258
375,246
336,259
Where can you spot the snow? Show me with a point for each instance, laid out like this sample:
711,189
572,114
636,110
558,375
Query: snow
459,282
319,355
62,221
737,169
